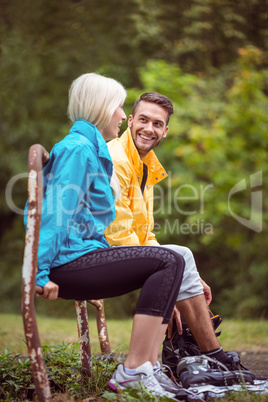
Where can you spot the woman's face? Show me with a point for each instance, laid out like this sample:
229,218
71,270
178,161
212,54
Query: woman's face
110,132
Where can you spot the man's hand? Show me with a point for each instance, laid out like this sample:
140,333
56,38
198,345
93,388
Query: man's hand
207,292
50,291
177,315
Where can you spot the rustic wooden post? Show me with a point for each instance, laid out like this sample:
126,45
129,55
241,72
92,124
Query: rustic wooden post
102,326
83,334
36,158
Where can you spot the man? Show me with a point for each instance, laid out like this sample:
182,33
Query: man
138,170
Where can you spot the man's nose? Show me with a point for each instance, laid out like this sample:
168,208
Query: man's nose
149,127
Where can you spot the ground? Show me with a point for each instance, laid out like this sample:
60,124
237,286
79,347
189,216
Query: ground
257,362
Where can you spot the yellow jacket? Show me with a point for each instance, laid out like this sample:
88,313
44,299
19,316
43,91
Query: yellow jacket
134,220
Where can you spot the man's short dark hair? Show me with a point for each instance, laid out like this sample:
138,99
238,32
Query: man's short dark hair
157,98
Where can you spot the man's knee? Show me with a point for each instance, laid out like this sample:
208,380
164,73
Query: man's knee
187,253
184,251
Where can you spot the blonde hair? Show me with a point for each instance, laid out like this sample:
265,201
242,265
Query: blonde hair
95,98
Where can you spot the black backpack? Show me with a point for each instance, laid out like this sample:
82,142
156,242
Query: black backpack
179,346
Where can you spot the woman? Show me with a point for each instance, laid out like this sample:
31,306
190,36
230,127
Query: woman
75,260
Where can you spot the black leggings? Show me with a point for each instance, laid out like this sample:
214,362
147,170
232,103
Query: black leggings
114,271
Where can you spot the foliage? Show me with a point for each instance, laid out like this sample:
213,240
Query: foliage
217,141
210,57
64,372
16,376
66,377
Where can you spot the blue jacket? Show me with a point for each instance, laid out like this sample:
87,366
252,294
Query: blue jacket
78,202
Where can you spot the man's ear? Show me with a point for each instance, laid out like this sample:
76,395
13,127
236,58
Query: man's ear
165,133
130,119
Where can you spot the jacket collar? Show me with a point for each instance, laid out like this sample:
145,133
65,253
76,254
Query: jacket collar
88,130
156,172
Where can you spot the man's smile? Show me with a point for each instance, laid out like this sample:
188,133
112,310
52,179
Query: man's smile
145,137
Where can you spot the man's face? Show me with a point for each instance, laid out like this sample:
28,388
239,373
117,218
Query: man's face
148,126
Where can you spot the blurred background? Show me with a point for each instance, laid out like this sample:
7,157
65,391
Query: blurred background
211,58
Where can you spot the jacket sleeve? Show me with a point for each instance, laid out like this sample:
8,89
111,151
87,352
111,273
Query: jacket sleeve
62,197
120,232
151,240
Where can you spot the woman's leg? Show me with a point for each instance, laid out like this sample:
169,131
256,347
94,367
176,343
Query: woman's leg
157,344
142,339
116,271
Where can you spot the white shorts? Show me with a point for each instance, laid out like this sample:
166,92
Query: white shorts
191,285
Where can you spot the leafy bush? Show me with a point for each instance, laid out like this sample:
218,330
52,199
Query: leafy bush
64,372
68,381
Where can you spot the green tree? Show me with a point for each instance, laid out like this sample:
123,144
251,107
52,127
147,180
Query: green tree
45,45
201,35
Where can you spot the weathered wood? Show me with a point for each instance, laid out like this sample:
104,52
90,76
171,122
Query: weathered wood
37,154
102,326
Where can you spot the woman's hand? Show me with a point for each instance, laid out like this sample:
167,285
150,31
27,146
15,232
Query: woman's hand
207,292
50,291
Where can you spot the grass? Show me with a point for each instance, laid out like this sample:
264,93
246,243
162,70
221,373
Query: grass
236,335
54,331
244,335
63,365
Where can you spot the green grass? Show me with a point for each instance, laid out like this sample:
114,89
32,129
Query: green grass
245,335
16,372
54,331
236,335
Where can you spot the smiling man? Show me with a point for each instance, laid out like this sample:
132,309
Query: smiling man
148,125
138,170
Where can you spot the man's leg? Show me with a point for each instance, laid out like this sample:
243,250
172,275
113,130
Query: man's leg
191,284
196,315
192,304
195,312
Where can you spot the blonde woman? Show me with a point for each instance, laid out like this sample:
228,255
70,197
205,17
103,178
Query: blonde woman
75,261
